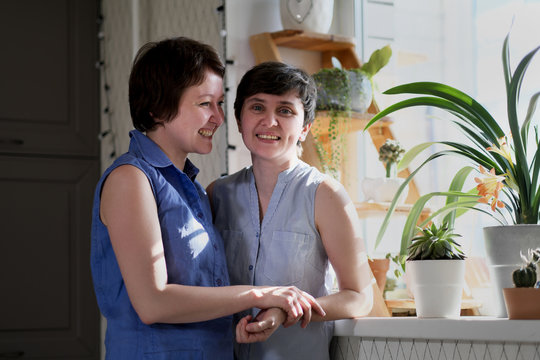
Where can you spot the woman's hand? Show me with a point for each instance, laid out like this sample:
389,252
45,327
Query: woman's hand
296,303
264,325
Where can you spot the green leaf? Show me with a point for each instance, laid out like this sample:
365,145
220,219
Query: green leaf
506,63
456,97
393,204
378,59
522,174
412,153
530,112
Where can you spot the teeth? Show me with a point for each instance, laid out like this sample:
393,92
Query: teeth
205,132
268,137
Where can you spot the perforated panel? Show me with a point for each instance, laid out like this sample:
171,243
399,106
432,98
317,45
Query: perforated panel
356,348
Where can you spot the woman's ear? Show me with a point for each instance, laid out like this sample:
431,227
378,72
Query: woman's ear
239,125
305,131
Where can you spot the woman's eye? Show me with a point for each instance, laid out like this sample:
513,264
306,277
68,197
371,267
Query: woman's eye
206,103
257,107
285,111
221,103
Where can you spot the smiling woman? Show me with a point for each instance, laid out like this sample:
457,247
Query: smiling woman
283,221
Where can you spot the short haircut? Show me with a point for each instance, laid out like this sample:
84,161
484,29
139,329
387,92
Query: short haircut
161,72
276,78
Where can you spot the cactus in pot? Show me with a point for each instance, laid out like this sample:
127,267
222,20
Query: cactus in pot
526,275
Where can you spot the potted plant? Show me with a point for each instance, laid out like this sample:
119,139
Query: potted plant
340,91
384,189
508,164
435,268
523,300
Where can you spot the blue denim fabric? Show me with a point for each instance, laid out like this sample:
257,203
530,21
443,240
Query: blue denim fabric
194,255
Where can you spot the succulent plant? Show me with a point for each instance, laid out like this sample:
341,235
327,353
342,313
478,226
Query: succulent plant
435,243
526,275
390,153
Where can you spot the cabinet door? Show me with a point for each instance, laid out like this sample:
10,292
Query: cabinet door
47,306
49,92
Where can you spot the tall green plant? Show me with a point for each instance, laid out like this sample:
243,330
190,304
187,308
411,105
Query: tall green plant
512,172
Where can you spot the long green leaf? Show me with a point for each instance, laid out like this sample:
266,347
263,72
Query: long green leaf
474,155
526,123
453,207
411,155
414,214
461,113
453,95
456,185
475,138
522,174
393,203
506,64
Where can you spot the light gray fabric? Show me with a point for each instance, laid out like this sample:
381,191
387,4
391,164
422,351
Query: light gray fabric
286,249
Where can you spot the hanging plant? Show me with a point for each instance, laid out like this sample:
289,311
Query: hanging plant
334,96
341,91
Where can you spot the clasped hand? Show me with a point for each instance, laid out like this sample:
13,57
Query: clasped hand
292,306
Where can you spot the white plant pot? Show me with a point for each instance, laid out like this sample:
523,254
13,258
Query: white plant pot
307,15
383,189
437,286
503,247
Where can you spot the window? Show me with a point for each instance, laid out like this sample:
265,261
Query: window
456,42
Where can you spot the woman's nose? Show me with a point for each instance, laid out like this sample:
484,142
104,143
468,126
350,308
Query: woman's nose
218,117
269,119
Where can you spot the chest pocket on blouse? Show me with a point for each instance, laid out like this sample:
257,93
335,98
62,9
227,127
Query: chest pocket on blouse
285,257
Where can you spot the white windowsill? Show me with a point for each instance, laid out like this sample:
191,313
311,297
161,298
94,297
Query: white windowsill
470,328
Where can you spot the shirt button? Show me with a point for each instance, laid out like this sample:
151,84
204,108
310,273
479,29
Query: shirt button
215,247
218,282
200,215
250,267
257,235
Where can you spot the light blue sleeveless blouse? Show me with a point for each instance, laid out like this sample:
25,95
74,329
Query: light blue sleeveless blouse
286,249
194,255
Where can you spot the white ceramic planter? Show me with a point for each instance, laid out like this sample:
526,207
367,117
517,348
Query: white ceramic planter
307,15
437,286
361,92
383,189
503,246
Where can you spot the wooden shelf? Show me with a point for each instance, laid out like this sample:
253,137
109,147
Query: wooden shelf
469,307
265,46
356,122
298,39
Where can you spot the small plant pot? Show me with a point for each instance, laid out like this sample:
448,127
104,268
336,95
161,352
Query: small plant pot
437,286
361,91
383,189
522,303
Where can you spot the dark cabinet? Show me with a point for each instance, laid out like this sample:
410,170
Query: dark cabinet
49,165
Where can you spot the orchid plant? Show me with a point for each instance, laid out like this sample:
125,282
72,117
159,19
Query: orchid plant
508,179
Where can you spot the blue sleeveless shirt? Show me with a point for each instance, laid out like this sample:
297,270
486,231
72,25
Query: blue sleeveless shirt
194,255
285,249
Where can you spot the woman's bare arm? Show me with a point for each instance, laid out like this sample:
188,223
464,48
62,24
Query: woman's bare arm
129,211
337,222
